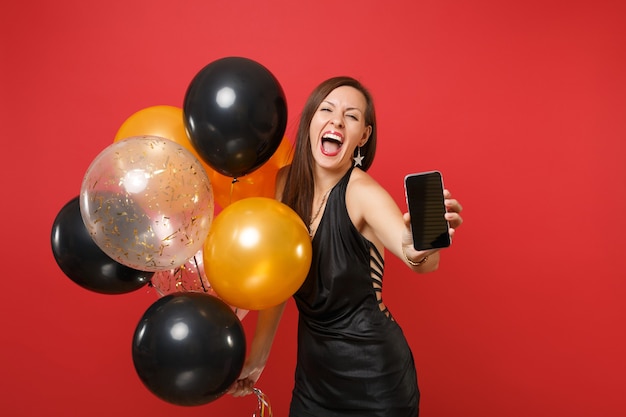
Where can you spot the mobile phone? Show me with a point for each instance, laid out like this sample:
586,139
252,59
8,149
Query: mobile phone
424,198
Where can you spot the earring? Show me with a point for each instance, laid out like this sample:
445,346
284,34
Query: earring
358,159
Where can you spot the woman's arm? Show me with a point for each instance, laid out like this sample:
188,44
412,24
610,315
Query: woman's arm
266,327
379,219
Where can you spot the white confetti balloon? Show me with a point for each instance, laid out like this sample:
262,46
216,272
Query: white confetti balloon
147,203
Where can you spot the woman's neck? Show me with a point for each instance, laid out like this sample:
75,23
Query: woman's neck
325,179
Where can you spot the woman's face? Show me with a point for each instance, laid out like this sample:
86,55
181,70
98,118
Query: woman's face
338,127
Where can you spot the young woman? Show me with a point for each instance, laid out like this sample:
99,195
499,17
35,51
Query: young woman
353,358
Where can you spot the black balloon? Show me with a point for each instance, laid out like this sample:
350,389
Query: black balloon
189,348
235,113
80,258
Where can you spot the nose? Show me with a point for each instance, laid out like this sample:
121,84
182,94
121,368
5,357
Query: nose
337,121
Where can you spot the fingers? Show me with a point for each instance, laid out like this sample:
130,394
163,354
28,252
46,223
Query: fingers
454,220
453,208
241,388
247,379
407,220
453,205
407,238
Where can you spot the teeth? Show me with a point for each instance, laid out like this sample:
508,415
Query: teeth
333,136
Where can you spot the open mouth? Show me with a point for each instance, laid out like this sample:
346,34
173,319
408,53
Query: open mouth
331,143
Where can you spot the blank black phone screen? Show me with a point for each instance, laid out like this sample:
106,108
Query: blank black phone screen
424,195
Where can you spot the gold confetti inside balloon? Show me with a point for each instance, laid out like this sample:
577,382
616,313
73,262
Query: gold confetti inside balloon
147,203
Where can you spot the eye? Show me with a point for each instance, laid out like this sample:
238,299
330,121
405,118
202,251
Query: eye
325,109
353,116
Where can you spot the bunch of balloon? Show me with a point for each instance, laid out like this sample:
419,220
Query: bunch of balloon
235,114
147,203
257,254
167,122
81,260
188,348
188,277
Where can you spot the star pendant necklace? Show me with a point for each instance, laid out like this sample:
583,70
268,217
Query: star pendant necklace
317,213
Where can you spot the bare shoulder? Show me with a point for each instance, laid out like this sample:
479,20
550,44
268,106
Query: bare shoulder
363,187
374,212
365,197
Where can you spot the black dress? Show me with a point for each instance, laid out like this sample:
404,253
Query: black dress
353,358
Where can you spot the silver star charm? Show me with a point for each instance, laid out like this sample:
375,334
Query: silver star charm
358,159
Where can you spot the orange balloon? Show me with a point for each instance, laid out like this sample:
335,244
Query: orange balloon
163,121
259,183
257,254
283,154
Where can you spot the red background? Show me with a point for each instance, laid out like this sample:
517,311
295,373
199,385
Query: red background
521,104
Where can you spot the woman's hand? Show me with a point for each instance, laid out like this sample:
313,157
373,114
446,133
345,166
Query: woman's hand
453,210
428,260
250,374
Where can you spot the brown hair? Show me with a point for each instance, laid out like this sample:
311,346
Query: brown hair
299,187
